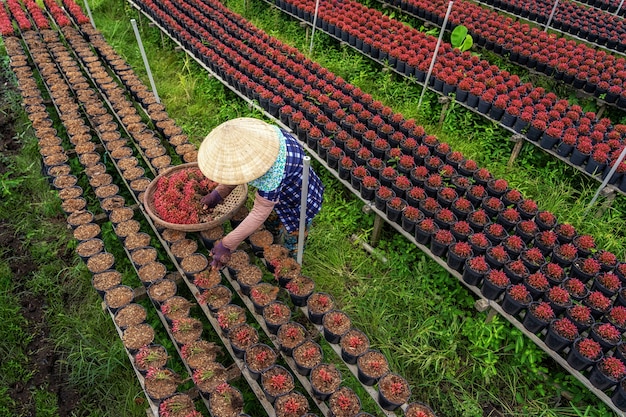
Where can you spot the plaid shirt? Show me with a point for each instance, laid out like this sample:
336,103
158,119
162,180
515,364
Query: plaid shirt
287,194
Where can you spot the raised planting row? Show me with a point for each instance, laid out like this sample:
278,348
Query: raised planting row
157,381
516,196
564,130
185,330
585,68
588,23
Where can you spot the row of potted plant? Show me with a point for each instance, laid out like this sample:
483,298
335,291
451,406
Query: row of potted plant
159,382
573,62
588,23
6,27
608,5
477,83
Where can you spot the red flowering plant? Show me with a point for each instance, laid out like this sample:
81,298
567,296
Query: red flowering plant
495,229
608,332
589,348
546,218
610,281
177,197
517,267
513,196
511,215
493,203
461,249
477,191
547,238
389,173
499,185
566,251
478,264
613,367
396,203
538,281
498,278
479,240
370,182
514,243
461,228
559,296
533,256
528,227
444,237
420,172
498,253
403,182
434,181
607,259
575,287
528,206
406,162
617,316
412,213
585,242
542,311
479,217
445,215
417,193
580,314
519,293
347,162
598,301
462,204
427,225
565,328
589,266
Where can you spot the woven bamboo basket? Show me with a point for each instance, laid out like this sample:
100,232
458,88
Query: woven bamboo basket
222,212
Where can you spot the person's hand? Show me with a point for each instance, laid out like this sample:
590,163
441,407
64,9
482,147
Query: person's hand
221,255
211,200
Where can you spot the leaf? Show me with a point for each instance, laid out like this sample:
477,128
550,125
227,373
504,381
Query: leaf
458,36
467,44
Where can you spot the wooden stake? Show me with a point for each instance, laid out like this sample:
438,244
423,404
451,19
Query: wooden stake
445,101
519,142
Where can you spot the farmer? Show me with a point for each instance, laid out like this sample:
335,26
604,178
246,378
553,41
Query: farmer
248,150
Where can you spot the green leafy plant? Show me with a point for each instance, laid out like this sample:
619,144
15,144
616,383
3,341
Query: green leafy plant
459,38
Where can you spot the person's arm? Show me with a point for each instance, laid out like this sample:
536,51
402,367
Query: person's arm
217,195
260,212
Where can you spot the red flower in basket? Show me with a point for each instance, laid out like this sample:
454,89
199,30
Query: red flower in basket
543,311
461,249
444,237
478,264
547,218
589,348
580,313
566,251
538,281
479,240
606,258
177,196
608,332
547,238
585,242
617,316
590,266
498,278
575,287
534,256
610,281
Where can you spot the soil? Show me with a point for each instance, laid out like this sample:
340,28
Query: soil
277,381
261,239
143,256
291,335
262,294
276,313
150,356
151,272
413,408
162,290
44,359
213,233
74,204
186,330
100,262
209,376
176,307
325,378
388,386
230,316
179,405
274,252
217,297
183,247
199,353
373,364
249,275
106,280
161,388
337,322
194,263
308,354
300,285
226,402
243,336
136,240
238,259
89,247
291,397
320,303
341,409
121,214
118,296
137,336
130,315
354,342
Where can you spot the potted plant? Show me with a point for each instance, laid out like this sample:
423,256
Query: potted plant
584,353
160,383
335,323
564,254
526,229
598,302
369,184
401,185
479,243
429,207
509,217
440,242
606,334
276,381
607,283
492,205
299,289
346,164
528,208
494,284
424,230
461,207
259,358
415,195
585,268
325,379
514,246
209,376
608,260
371,365
461,230
393,391
533,258
382,196
561,333
410,216
445,218
478,219
344,402
458,253
178,405
394,209
446,195
559,299
516,298
607,372
617,317
475,270
546,240
495,233
585,244
538,315
516,271
545,220
497,256
293,404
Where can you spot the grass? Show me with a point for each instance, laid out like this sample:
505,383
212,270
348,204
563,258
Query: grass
411,309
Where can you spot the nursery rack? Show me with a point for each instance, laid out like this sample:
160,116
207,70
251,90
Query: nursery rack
612,188
380,217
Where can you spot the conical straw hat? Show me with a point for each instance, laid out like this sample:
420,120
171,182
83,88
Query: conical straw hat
238,151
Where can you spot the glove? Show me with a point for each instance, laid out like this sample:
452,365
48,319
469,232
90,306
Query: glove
212,199
221,255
